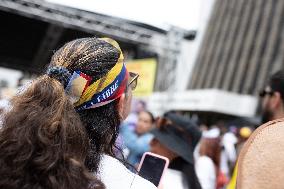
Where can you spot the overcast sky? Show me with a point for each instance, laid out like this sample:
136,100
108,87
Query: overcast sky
160,13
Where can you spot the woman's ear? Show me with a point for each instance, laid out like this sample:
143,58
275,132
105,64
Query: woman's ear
121,106
124,104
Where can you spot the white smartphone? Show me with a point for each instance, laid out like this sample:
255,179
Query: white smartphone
152,167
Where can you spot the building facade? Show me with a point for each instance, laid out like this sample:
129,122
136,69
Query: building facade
242,45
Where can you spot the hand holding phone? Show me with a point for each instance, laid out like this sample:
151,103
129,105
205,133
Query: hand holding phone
152,167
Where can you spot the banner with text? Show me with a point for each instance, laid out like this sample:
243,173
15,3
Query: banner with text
146,68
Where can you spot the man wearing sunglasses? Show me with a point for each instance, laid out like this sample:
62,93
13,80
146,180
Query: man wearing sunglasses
272,98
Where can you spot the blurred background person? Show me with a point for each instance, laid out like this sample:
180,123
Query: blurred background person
175,137
272,107
243,135
136,107
228,151
272,97
208,163
137,141
129,125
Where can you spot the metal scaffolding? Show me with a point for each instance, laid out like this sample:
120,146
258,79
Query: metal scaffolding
165,44
78,19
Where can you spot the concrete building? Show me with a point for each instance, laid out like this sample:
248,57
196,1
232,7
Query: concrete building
241,46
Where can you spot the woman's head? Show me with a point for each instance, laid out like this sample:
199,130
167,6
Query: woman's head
145,122
100,63
104,95
66,117
43,143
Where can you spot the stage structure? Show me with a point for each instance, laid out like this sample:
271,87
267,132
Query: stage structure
47,26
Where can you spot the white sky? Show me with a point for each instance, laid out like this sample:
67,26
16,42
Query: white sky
160,13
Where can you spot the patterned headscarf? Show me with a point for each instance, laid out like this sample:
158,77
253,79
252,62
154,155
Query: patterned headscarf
87,95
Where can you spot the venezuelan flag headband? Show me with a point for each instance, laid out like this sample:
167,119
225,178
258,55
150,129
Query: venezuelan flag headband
103,91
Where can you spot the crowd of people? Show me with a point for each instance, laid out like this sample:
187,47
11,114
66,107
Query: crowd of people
200,157
73,127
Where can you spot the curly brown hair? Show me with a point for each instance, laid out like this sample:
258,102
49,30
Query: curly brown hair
43,143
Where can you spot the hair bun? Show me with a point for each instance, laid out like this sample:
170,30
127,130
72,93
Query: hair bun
59,73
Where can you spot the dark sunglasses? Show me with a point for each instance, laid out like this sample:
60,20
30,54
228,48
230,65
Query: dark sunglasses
265,92
133,80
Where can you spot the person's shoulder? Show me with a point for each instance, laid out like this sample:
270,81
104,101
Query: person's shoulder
115,175
177,176
111,166
141,183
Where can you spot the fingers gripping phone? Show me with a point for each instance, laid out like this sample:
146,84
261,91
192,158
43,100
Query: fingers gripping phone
152,167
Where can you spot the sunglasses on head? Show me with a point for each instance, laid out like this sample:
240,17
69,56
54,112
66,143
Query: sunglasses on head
133,80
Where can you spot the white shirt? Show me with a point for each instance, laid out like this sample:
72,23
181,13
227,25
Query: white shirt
228,154
206,173
173,179
115,175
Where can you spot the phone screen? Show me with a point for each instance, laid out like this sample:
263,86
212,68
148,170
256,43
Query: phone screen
152,169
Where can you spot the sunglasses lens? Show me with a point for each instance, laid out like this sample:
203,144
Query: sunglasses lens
134,84
133,80
261,93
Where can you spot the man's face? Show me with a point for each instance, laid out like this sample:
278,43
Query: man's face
266,105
